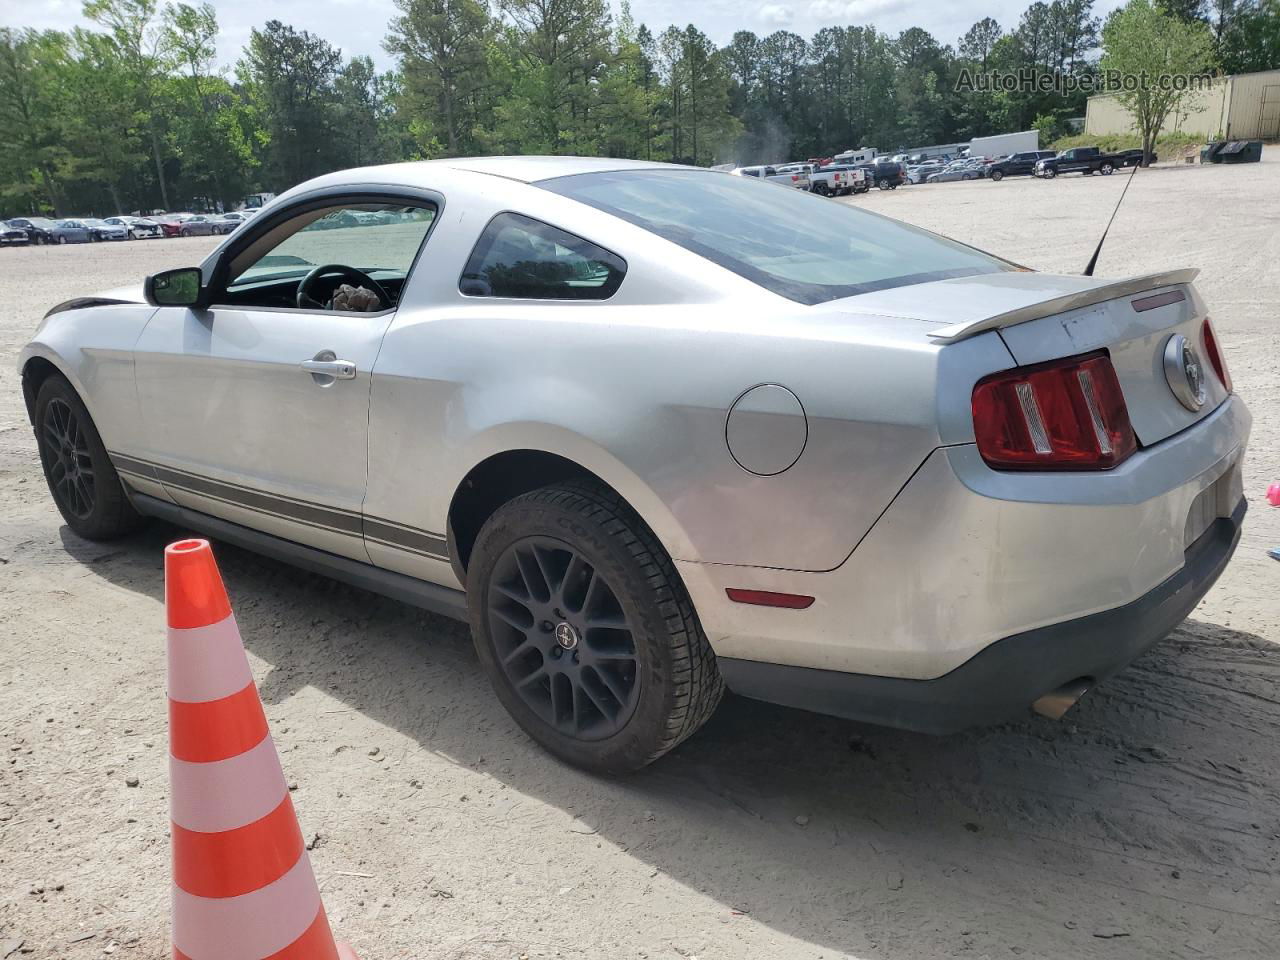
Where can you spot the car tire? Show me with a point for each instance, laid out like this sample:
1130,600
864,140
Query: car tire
82,480
62,239
646,681
997,175
1106,169
1049,173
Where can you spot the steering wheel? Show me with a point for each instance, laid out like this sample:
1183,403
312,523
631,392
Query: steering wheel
306,301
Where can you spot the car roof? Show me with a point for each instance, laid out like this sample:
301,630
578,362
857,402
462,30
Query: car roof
533,169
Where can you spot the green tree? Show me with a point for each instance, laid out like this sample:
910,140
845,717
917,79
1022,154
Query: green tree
1252,41
560,49
102,122
289,76
977,43
131,26
208,137
442,46
32,111
1142,41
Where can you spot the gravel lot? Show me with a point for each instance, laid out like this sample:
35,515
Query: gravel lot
1145,826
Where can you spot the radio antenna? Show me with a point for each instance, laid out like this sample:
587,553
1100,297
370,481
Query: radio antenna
1093,261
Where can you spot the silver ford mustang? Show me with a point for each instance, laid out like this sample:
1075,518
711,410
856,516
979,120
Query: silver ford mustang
657,431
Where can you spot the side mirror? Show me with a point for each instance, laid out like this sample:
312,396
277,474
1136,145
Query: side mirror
175,288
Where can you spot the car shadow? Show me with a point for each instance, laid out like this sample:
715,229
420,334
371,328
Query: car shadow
1148,816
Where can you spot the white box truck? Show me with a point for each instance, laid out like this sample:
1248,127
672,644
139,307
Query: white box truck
1004,144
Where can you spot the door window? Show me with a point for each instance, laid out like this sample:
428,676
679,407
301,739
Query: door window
379,240
517,256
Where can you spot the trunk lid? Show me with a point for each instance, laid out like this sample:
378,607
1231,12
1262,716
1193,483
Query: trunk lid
1044,317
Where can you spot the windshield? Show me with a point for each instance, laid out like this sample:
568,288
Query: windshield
801,246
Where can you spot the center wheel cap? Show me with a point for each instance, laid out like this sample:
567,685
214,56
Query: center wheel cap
566,636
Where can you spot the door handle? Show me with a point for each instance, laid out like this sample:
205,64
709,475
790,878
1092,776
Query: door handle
325,367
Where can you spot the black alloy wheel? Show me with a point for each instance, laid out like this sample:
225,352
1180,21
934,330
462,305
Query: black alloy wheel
562,638
71,475
586,630
85,486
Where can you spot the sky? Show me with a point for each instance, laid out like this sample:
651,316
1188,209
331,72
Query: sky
358,26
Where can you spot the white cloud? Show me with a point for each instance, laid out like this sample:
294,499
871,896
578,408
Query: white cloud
774,14
853,11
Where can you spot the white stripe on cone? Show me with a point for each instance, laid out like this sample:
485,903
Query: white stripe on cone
207,663
251,926
225,794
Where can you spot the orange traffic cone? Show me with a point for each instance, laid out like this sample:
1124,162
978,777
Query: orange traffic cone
242,882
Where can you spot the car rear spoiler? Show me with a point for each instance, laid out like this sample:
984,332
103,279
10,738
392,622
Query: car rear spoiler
1071,301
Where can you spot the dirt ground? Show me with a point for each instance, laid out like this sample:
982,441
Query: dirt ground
1145,825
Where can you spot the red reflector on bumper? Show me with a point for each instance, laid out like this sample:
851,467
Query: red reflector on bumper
767,598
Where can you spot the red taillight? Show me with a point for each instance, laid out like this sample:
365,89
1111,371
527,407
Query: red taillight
1215,355
1064,415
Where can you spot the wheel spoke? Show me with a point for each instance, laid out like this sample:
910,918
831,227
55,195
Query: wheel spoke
508,617
612,621
521,598
53,436
533,678
575,573
85,493
557,696
531,573
520,649
554,586
613,684
596,591
606,710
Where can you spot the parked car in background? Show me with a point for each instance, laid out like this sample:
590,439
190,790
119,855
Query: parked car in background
199,225
1017,164
72,231
1086,160
137,228
829,182
856,180
39,229
171,223
773,175
102,230
887,174
920,172
228,222
799,173
955,170
13,236
338,219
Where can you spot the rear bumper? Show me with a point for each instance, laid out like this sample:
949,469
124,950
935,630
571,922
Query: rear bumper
1008,675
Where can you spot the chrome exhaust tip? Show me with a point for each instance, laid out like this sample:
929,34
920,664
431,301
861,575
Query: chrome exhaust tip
1055,703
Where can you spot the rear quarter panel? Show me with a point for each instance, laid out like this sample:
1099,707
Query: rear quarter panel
640,397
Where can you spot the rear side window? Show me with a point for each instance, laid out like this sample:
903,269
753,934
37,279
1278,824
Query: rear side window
523,258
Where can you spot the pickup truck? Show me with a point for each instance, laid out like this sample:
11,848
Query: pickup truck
1086,160
839,180
799,180
1017,164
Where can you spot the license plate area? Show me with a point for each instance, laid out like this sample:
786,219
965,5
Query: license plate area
1216,500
